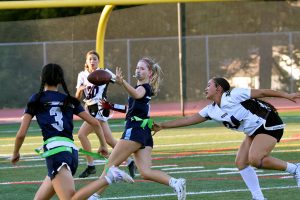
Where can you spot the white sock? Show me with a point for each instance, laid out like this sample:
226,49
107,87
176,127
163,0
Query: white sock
291,168
95,196
250,178
109,181
172,182
91,163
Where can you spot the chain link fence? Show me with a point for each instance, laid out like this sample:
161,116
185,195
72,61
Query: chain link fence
236,56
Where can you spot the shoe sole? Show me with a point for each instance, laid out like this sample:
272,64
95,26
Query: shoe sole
127,178
88,174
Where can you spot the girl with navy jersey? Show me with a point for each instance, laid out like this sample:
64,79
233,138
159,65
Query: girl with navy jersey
54,113
93,94
238,109
137,138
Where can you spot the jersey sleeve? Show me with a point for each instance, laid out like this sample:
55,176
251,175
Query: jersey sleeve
80,80
241,94
27,110
148,89
204,112
113,76
78,109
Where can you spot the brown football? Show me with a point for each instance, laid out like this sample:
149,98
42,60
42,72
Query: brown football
99,77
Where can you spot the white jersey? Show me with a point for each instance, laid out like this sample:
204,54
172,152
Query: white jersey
91,92
232,113
94,93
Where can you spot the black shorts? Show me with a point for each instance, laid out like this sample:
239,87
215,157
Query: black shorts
135,132
56,161
272,120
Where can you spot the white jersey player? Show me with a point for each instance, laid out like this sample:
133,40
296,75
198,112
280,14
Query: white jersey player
93,94
235,112
240,110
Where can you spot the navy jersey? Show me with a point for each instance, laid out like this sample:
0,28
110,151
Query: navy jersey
51,119
140,107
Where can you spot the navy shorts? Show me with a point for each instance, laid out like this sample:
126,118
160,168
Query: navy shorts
56,161
272,120
135,132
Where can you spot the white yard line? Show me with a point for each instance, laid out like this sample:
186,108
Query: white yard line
196,193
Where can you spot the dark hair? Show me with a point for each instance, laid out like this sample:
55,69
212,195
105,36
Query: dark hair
222,82
52,75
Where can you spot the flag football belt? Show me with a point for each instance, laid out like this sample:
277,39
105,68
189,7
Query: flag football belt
148,122
59,144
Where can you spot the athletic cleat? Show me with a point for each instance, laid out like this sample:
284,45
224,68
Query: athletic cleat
180,188
116,175
95,196
88,171
297,174
132,169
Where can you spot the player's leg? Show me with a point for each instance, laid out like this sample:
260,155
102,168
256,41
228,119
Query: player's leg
247,172
63,183
259,153
111,141
83,133
144,162
45,191
122,150
259,156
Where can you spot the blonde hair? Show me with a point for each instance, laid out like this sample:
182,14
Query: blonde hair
91,52
156,76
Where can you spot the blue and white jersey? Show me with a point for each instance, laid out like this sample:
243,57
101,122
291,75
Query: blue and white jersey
51,119
92,92
140,107
233,113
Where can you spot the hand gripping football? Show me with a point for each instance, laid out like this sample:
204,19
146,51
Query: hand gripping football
99,77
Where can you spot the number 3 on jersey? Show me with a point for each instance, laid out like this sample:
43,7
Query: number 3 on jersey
234,124
56,112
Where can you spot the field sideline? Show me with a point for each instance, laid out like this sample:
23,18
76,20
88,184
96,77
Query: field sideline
203,154
159,109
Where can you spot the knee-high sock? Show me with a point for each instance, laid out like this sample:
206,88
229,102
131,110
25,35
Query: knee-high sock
250,178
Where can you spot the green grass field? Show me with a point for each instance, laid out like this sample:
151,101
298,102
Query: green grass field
203,154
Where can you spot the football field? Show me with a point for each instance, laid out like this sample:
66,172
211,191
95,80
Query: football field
204,154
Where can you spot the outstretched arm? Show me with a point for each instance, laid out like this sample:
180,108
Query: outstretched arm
135,93
260,93
185,121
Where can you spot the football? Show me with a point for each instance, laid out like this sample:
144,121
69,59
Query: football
99,77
